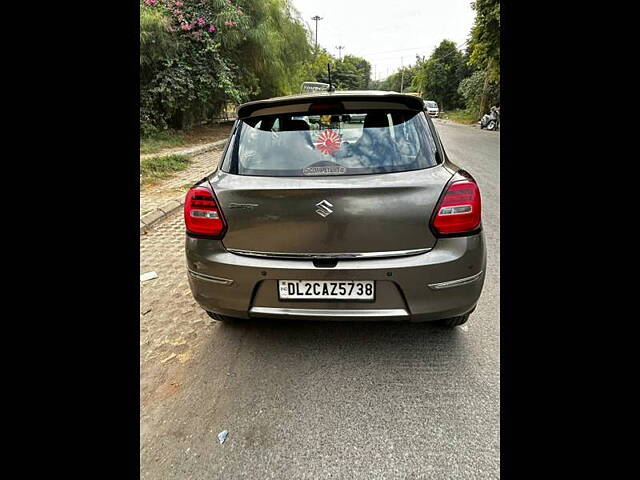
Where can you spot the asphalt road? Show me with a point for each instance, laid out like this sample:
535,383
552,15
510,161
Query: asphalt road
321,400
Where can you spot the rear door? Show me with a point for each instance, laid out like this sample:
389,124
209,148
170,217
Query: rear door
308,182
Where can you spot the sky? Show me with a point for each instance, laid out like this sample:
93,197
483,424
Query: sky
387,33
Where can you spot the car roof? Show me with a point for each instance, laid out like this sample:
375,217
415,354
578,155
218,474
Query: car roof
410,101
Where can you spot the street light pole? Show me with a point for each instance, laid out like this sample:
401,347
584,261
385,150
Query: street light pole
340,47
316,18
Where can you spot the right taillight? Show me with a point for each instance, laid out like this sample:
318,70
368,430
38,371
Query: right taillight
459,210
202,214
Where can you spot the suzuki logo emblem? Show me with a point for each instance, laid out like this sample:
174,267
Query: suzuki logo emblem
323,208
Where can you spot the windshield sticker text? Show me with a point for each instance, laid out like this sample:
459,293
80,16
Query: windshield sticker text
325,170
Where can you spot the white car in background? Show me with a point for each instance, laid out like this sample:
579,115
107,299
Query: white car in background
431,108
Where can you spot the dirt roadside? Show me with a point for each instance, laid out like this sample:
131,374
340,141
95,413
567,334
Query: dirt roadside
195,137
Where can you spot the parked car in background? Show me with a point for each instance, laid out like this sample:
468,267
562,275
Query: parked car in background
431,108
358,117
363,221
310,87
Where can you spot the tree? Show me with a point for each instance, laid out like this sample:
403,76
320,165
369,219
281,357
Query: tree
184,77
431,80
363,67
350,73
484,44
276,50
315,70
198,55
156,40
346,76
438,78
396,83
472,89
375,85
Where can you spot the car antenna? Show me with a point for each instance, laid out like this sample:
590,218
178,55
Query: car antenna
331,87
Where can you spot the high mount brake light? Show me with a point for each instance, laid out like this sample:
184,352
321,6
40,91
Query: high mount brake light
202,214
459,210
325,107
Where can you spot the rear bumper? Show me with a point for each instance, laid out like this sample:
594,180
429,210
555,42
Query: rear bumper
444,282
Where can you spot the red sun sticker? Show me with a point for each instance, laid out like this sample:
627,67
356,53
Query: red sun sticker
328,142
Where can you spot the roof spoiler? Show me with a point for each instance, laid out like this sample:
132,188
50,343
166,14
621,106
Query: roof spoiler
413,103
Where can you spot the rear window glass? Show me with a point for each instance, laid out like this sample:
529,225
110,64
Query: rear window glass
349,143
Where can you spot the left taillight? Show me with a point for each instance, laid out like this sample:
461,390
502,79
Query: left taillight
202,213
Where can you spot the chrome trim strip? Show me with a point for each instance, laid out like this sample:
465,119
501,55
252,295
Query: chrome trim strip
319,312
455,283
312,256
208,278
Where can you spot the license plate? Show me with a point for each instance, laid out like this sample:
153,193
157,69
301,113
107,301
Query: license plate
326,290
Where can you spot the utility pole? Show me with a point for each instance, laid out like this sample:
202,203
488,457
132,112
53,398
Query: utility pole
340,47
316,18
401,74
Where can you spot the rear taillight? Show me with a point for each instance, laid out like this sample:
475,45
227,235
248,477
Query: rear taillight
202,214
459,210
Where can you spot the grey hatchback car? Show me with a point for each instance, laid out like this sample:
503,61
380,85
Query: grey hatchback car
312,215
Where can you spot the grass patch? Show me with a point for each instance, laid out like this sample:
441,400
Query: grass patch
162,140
466,117
156,168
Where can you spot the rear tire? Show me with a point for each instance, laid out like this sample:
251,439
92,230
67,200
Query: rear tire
491,126
222,318
455,321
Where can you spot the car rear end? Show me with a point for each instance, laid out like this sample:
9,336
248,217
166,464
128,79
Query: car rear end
312,215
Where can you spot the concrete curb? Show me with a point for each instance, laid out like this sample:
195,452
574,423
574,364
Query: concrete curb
154,216
446,121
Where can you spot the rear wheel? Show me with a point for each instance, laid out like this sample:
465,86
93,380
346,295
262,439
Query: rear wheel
492,125
455,321
222,318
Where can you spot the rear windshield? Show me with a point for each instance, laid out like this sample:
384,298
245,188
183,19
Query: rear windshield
350,143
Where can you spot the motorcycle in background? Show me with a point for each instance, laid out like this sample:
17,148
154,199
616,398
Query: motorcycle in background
491,120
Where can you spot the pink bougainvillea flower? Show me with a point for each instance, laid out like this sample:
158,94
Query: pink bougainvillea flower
212,28
185,26
179,4
177,12
150,2
239,11
201,21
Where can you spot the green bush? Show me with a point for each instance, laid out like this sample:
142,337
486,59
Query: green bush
196,56
471,90
156,168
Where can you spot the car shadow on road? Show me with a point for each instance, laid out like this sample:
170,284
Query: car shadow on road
305,346
288,386
307,369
